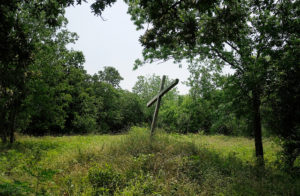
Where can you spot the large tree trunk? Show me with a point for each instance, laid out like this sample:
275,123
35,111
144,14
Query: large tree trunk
257,127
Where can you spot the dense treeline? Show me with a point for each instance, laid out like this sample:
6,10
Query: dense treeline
44,88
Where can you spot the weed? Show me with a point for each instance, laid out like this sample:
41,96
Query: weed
14,188
104,180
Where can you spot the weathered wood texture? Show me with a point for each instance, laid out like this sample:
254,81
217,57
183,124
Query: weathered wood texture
161,93
157,98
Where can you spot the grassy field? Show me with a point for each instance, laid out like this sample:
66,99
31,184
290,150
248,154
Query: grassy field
134,164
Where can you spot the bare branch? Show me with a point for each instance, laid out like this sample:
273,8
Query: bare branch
232,46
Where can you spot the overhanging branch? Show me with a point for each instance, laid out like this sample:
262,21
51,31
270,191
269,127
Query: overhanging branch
226,60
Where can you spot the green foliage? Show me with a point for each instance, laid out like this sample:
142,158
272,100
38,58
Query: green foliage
213,106
184,115
109,75
282,106
249,36
104,180
14,188
131,108
212,110
45,90
25,28
51,90
25,160
193,116
53,94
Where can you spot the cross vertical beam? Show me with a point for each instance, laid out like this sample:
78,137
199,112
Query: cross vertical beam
157,106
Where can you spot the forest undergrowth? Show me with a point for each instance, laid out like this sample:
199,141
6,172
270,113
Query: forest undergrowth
135,164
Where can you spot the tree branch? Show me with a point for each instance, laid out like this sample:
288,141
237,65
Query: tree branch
232,46
175,4
226,60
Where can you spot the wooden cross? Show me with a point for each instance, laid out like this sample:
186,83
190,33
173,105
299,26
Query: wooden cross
157,98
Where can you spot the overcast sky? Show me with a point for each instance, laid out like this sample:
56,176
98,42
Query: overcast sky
114,42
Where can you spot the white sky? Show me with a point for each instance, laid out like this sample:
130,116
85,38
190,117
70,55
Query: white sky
114,42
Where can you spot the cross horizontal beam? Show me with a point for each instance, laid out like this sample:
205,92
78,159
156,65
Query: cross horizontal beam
161,93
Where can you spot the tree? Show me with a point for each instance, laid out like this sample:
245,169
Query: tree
131,108
107,97
243,34
57,99
81,110
20,32
206,96
48,93
220,97
110,75
282,101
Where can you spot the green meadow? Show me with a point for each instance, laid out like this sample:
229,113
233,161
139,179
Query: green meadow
135,164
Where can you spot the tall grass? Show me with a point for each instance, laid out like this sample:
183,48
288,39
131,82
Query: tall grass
135,164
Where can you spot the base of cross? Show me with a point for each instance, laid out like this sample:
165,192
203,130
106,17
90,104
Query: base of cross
157,99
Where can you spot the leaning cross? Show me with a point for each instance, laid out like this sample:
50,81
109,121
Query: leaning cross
157,98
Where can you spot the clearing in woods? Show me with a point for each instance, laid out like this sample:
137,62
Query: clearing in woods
133,164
